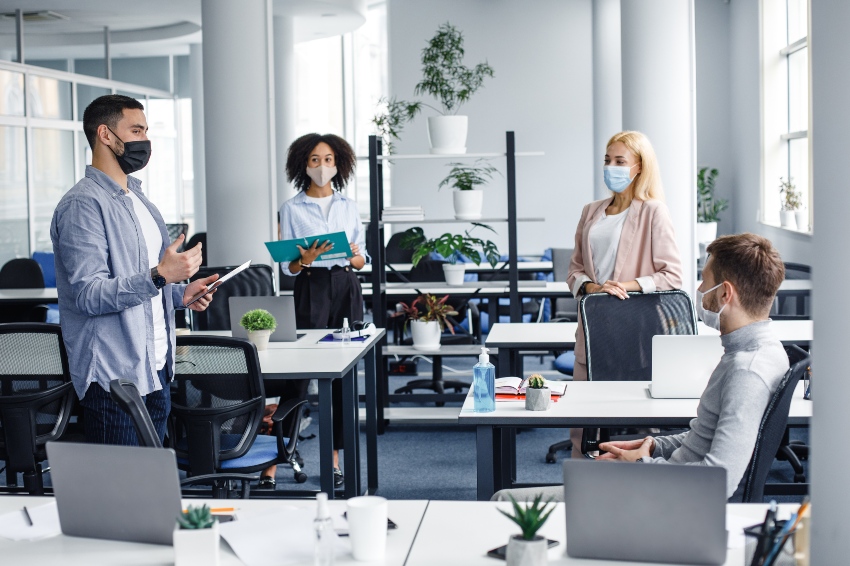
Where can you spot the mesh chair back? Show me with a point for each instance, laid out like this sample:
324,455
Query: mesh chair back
35,392
21,273
200,237
126,395
618,334
256,281
563,308
217,400
771,430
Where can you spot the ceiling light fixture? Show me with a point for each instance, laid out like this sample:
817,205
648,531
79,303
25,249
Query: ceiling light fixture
39,16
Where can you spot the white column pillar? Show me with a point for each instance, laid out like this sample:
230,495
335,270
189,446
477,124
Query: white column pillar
284,75
659,100
196,81
239,130
607,84
830,76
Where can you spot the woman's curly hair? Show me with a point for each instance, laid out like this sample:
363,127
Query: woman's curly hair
299,154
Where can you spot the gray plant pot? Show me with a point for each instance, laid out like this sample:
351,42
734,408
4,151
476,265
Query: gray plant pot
537,399
523,552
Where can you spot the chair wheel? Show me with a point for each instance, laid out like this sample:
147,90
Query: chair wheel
300,477
550,458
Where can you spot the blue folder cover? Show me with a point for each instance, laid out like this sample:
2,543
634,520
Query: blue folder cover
285,251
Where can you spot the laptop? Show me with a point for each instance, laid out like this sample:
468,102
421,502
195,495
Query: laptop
124,493
645,512
682,365
281,308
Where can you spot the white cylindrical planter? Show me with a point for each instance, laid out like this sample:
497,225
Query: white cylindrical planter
537,399
447,134
523,552
196,547
802,219
706,232
260,339
468,204
454,273
787,219
426,335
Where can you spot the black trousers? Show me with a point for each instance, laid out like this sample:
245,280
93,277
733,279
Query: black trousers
323,298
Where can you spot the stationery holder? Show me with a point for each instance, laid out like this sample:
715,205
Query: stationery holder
755,541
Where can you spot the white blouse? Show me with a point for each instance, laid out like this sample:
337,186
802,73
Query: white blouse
604,243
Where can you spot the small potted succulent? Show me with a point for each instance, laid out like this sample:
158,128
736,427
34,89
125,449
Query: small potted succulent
196,538
428,318
260,324
791,205
468,201
452,247
529,548
537,395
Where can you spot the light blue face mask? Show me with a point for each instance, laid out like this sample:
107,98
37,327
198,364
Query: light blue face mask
617,177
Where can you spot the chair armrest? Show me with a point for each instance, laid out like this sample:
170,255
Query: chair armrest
209,478
285,408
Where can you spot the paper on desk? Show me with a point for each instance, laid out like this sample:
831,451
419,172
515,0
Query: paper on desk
45,523
257,537
735,526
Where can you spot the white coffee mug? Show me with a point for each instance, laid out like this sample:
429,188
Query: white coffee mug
367,527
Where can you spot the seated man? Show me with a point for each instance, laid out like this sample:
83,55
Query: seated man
740,280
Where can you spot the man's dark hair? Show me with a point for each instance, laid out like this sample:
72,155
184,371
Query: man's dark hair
299,154
752,265
107,109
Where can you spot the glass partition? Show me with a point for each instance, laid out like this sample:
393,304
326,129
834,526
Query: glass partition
85,94
14,237
48,98
11,93
53,176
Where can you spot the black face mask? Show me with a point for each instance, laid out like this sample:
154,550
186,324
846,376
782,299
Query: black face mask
136,154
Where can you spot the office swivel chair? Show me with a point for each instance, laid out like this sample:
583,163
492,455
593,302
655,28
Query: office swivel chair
564,309
175,230
36,396
395,254
22,273
256,281
194,240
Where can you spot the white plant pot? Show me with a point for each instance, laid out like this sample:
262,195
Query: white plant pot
447,134
454,273
706,232
196,547
537,399
426,335
523,552
260,338
468,204
802,218
787,220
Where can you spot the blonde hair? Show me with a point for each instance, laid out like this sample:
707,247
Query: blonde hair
648,181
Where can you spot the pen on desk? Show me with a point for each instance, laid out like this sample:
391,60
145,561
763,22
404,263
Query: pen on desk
27,515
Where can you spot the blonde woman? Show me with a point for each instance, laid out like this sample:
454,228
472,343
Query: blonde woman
624,242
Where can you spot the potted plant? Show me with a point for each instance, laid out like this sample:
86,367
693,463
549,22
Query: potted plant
260,324
537,395
468,201
708,207
529,548
793,214
428,318
390,122
452,247
196,538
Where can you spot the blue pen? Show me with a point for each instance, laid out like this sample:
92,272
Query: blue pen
781,538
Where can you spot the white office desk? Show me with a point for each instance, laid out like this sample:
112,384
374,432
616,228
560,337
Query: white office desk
545,266
48,295
74,551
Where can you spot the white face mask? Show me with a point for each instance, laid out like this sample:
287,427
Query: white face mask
710,318
321,175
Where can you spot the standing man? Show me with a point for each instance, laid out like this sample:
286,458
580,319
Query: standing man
117,276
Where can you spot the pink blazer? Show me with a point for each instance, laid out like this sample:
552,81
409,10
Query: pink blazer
647,252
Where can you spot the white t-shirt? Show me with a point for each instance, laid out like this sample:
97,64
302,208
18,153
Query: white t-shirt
604,243
153,239
324,203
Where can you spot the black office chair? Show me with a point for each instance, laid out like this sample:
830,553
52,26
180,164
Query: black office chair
795,451
36,396
256,281
395,254
194,240
217,406
772,429
22,273
564,309
175,230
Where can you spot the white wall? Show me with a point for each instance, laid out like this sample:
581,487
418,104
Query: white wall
542,90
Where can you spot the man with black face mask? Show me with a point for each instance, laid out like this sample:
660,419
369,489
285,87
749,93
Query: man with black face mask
118,276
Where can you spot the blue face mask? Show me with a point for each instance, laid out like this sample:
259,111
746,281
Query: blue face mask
617,177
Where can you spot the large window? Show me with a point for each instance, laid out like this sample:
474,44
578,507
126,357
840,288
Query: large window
785,101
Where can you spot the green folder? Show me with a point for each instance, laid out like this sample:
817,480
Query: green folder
285,251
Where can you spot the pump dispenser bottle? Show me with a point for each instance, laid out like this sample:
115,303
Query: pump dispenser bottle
483,384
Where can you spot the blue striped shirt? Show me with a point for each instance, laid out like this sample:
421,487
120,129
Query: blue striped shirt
300,218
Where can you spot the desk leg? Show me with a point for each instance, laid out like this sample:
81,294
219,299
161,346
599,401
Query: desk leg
351,436
371,422
326,433
382,387
509,457
485,461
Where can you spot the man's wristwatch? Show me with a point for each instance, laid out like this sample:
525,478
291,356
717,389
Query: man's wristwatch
158,280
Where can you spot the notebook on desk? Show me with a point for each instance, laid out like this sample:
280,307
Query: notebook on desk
281,308
645,512
682,365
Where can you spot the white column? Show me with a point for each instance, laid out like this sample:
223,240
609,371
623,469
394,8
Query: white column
284,75
607,84
659,100
239,130
830,76
196,81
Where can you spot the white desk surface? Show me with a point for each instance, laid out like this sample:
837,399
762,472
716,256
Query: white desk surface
309,341
472,268
461,533
789,285
594,401
50,294
72,551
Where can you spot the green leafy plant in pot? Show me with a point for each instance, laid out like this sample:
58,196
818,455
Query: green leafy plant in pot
196,537
708,207
537,395
260,324
528,548
468,201
792,215
452,247
427,317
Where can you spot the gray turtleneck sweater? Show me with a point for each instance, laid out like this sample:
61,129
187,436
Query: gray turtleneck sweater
731,407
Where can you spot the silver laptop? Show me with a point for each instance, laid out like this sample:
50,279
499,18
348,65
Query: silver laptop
115,492
281,308
681,365
645,512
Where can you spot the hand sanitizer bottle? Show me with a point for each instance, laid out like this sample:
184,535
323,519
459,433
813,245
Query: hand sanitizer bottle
483,384
346,333
325,535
